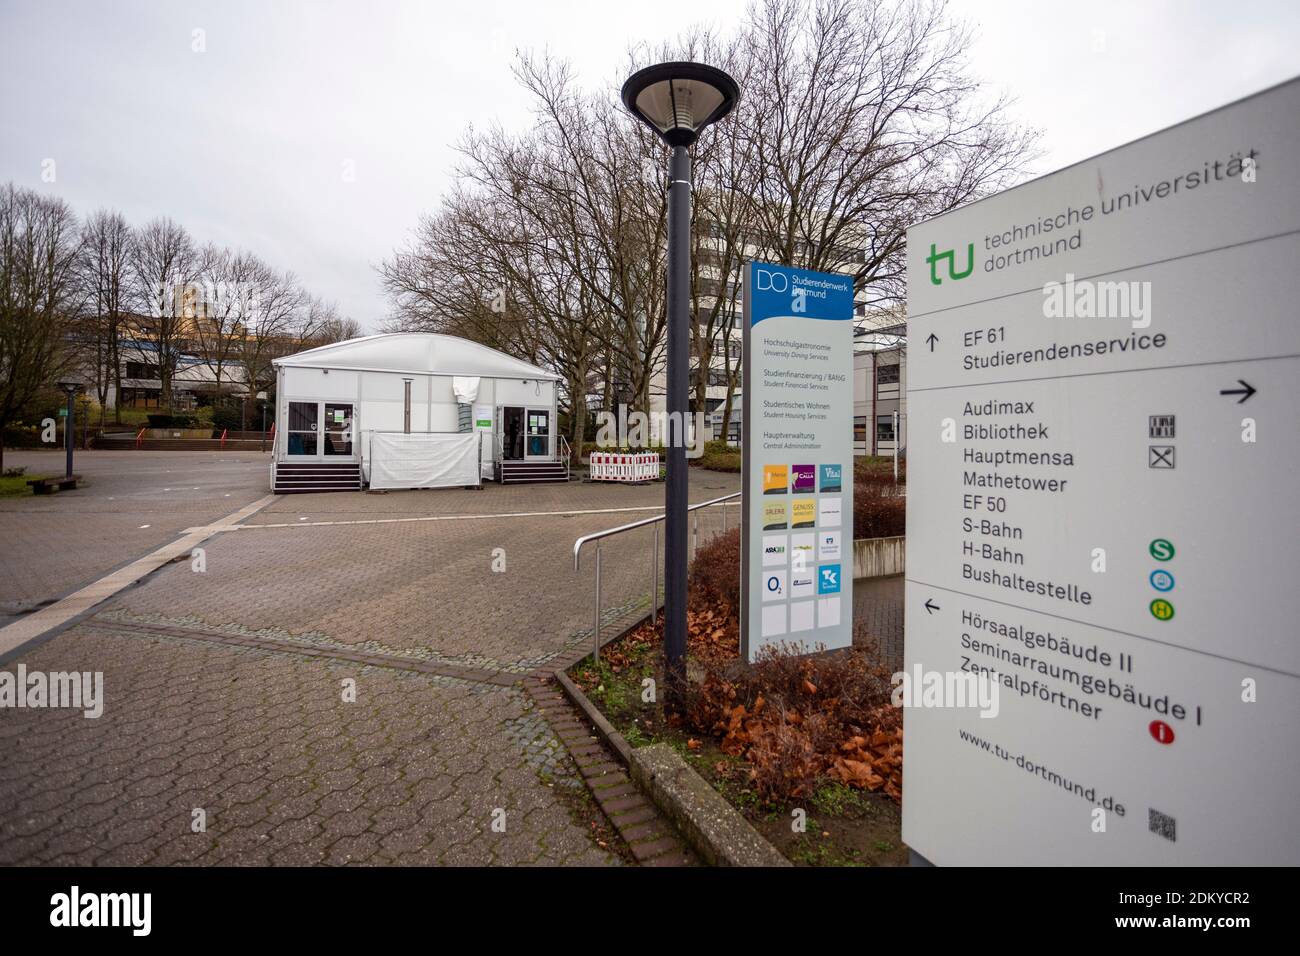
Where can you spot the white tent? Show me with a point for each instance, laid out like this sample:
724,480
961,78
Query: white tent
339,405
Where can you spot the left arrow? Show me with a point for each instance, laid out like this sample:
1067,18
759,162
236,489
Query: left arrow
930,606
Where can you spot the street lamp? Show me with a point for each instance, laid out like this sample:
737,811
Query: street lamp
677,100
69,424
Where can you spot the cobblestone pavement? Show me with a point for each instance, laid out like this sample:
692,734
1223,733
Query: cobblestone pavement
878,613
129,504
415,771
224,689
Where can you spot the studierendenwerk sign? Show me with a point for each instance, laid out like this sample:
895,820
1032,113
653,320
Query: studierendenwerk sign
1103,504
797,451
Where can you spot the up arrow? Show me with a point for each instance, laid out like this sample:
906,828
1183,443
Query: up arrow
930,606
932,338
1245,391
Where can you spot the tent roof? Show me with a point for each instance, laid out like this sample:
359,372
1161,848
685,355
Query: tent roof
420,353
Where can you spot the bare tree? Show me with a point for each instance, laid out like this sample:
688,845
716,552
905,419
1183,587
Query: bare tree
39,295
279,317
857,118
863,120
225,285
105,270
165,266
329,325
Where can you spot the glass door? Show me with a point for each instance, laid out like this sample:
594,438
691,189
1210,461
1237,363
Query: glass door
303,433
338,430
319,430
539,433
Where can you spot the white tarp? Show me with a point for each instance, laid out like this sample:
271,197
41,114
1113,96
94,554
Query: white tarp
443,460
465,389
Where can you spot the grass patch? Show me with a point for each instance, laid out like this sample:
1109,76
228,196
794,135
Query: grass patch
841,825
15,486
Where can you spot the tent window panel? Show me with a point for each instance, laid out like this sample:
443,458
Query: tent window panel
302,416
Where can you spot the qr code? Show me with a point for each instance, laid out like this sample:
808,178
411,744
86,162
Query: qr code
1161,824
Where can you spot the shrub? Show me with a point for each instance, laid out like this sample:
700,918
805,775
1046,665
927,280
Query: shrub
168,420
878,516
798,719
27,436
879,508
715,573
719,456
878,468
227,415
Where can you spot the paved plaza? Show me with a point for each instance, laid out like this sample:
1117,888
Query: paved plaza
338,679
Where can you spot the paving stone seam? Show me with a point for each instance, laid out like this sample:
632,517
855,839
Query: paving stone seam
468,674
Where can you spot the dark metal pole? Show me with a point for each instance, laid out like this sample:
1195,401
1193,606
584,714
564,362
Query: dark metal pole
263,425
679,291
70,429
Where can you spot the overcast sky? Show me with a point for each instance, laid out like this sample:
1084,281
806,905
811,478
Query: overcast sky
249,142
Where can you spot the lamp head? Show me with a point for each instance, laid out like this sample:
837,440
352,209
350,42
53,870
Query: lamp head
677,100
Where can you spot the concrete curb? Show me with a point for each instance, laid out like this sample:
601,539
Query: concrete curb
714,828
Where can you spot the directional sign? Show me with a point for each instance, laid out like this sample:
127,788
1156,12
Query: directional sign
1103,487
797,456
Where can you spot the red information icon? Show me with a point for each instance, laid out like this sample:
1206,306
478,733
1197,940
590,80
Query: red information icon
1162,732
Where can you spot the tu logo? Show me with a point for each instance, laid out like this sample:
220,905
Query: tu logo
934,258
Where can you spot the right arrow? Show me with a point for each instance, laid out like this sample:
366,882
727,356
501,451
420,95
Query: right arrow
1245,391
931,606
932,338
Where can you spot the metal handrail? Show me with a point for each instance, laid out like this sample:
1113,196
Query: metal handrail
598,536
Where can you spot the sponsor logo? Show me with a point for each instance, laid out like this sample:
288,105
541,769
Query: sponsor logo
831,512
775,551
828,579
828,546
831,479
773,585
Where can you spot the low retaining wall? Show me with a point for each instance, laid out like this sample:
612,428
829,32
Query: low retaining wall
714,828
879,557
175,433
129,443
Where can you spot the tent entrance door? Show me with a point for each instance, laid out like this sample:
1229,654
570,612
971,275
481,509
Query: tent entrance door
320,431
539,433
512,433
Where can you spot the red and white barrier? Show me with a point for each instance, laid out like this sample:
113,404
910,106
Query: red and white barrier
624,466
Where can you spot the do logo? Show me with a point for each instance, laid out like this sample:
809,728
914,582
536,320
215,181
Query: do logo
771,281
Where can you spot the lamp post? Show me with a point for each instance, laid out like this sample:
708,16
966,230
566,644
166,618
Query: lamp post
677,100
70,423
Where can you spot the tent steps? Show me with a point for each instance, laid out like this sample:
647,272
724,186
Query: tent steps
292,477
511,472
